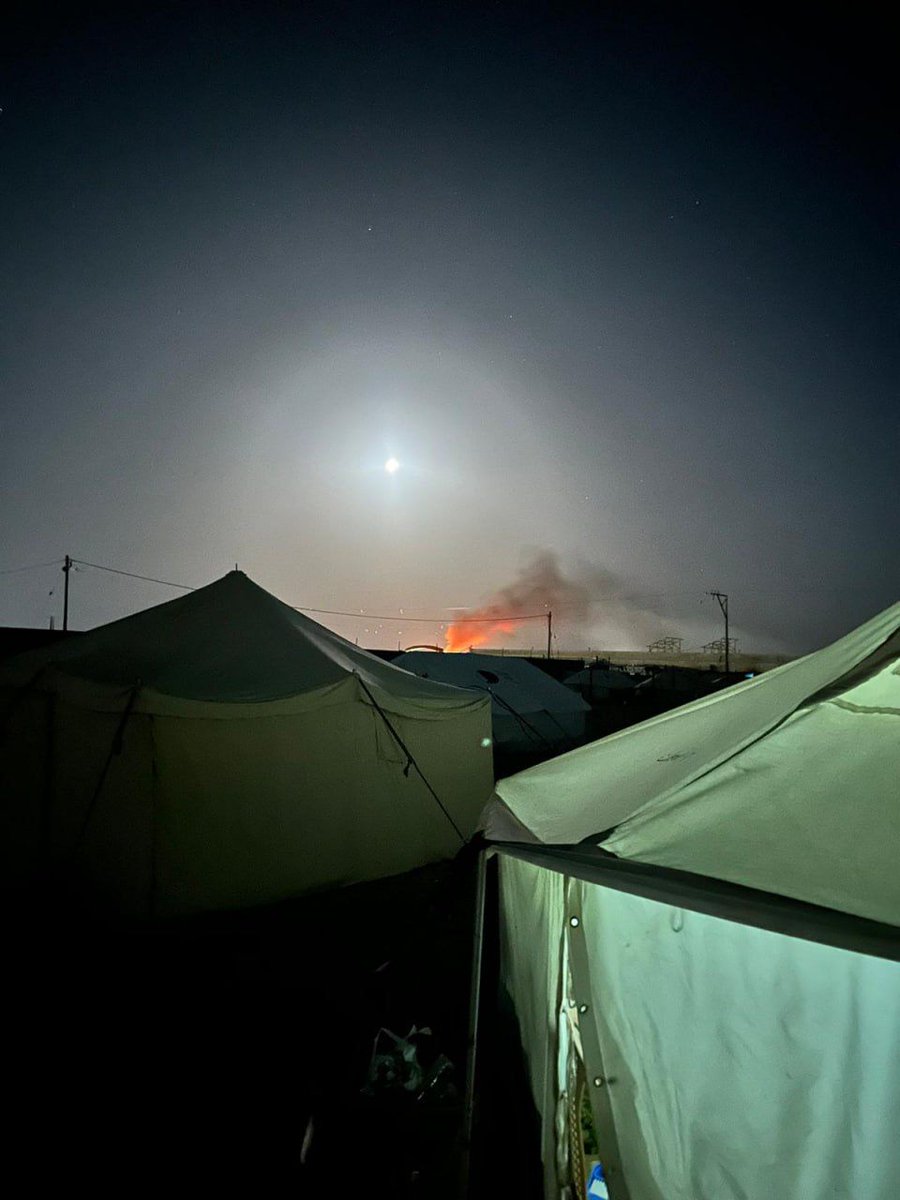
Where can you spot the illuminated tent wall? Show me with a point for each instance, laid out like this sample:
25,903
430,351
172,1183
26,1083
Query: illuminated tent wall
531,711
223,750
708,905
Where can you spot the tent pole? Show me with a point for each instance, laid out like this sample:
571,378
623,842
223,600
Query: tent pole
474,1008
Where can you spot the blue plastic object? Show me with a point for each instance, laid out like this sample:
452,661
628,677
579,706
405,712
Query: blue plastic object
596,1185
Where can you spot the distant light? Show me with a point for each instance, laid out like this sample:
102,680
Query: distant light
392,466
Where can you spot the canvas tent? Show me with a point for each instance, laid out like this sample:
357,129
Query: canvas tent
531,711
699,923
222,750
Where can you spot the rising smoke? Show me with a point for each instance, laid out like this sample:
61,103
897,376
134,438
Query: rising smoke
590,605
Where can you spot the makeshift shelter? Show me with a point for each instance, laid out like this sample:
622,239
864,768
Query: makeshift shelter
699,932
224,750
598,682
681,683
530,710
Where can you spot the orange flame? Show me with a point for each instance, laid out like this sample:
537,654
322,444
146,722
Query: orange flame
466,634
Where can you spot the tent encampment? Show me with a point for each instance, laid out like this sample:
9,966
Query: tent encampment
532,712
223,750
699,934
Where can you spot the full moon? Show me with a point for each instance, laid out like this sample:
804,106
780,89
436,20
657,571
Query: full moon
391,466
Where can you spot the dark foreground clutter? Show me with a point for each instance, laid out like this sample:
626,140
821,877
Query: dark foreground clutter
236,1050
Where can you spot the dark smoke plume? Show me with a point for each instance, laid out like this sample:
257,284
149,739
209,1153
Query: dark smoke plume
590,606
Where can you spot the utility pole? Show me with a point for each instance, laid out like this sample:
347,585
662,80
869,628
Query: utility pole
67,567
722,598
549,631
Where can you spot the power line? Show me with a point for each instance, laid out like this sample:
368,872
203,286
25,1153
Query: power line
363,616
34,567
561,607
186,587
335,612
331,612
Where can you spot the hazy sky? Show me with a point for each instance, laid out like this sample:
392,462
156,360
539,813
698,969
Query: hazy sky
619,286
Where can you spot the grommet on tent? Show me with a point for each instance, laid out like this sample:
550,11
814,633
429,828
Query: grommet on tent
574,922
582,1008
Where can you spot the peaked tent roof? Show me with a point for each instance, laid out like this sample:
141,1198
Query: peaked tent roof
525,687
786,783
229,642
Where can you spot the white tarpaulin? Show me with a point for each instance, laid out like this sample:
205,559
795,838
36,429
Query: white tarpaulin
725,1062
787,782
736,1064
531,711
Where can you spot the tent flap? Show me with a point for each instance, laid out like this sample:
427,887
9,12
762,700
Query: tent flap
785,784
704,894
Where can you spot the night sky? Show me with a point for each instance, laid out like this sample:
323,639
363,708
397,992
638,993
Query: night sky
617,284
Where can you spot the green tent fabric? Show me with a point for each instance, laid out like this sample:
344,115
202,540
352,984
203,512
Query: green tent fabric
223,750
724,1061
229,643
786,782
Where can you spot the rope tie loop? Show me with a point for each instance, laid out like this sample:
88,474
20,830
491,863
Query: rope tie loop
410,758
